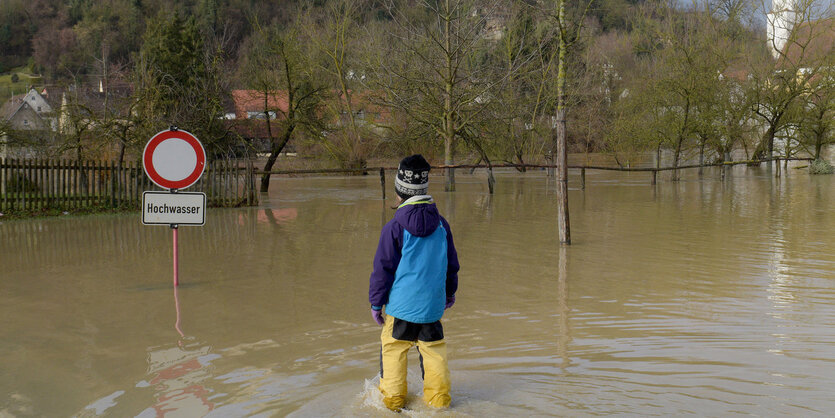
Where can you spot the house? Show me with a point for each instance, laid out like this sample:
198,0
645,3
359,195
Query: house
779,23
32,124
250,104
810,46
804,50
247,116
248,119
796,39
29,111
25,112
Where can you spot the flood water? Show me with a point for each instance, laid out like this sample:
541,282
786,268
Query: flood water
701,297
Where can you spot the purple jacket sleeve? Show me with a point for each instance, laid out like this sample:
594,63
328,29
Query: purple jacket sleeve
386,261
452,262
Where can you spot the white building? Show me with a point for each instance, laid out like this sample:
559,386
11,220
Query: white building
779,24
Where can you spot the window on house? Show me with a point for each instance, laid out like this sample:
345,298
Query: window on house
26,121
39,108
260,115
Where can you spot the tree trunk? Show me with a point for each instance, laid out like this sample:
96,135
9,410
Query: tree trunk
121,152
766,145
521,161
818,145
658,156
701,158
676,157
449,117
477,162
275,149
449,185
562,181
491,181
561,148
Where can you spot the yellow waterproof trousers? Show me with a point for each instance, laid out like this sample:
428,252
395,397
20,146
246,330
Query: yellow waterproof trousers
433,357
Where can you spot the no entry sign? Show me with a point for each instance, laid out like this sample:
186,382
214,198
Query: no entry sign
174,159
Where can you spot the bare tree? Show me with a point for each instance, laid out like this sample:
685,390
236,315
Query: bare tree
334,33
782,85
568,32
279,70
430,71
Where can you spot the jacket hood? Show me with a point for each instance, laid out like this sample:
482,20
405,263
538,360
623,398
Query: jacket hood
419,216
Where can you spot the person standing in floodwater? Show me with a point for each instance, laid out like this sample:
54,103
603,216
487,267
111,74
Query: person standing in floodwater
415,277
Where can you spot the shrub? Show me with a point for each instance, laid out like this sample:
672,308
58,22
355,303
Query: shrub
20,183
821,167
15,78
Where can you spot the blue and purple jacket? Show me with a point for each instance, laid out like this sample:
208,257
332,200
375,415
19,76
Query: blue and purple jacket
416,265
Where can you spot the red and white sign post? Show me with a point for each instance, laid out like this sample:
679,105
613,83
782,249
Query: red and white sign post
174,160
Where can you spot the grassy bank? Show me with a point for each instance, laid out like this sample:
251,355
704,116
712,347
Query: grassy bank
25,79
14,214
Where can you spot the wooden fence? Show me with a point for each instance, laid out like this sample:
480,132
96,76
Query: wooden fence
36,185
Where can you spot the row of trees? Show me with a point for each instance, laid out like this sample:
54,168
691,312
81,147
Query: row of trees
471,80
710,87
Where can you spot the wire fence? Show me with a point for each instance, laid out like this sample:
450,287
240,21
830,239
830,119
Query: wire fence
653,170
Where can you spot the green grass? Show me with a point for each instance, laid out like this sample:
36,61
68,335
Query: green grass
14,214
26,79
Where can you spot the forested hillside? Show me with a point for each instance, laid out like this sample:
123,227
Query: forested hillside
469,80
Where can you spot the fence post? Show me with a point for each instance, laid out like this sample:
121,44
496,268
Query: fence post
777,172
246,183
252,183
2,183
78,196
42,177
383,181
11,174
21,182
112,171
227,185
583,178
137,195
85,176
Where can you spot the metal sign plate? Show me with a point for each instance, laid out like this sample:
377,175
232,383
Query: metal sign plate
164,208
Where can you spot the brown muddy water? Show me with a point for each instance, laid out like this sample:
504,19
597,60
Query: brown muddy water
699,297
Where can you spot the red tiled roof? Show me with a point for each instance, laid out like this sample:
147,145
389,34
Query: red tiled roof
810,44
253,101
738,74
11,106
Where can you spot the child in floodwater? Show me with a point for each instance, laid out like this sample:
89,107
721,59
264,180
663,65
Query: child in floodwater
415,277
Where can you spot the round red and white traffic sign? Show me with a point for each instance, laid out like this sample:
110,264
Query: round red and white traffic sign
174,159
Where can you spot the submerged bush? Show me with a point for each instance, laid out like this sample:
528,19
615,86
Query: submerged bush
821,167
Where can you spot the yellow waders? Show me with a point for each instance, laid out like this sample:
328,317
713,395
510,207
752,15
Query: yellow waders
394,364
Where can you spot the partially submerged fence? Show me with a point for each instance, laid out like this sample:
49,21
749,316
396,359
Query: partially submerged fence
41,184
582,168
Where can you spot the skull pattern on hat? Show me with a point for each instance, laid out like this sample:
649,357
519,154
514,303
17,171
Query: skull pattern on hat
412,177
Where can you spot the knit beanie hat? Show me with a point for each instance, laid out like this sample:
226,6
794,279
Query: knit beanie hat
412,177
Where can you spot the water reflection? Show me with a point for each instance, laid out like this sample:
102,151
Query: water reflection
563,311
177,376
177,309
